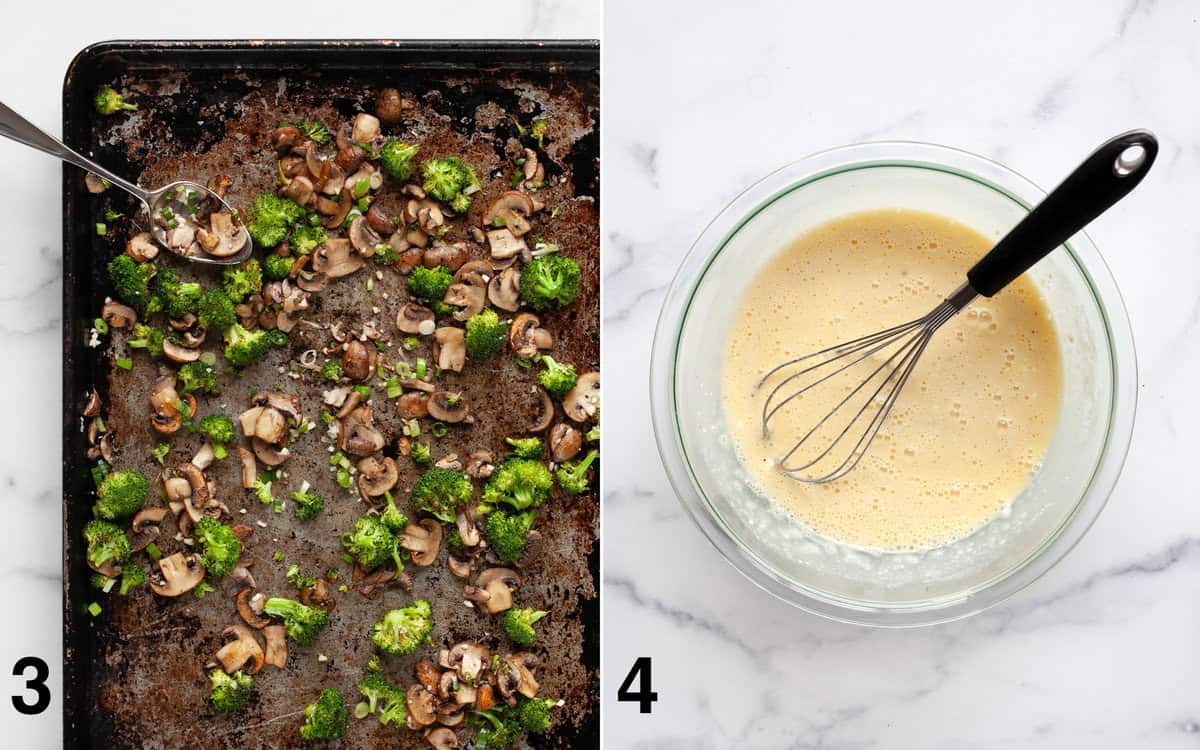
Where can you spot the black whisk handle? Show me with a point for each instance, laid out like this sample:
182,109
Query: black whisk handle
1105,177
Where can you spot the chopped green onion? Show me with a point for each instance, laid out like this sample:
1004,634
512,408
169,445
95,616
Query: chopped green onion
361,187
94,609
393,388
100,325
421,368
124,363
101,229
153,551
439,430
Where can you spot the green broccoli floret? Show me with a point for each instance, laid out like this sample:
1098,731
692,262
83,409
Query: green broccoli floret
105,543
243,347
486,334
221,546
372,544
535,714
230,692
440,492
132,576
430,284
402,631
217,311
271,217
332,369
146,337
397,159
197,377
383,695
521,482
454,540
498,728
306,238
276,267
572,477
108,101
518,624
507,533
558,378
394,707
374,686
314,130
549,281
308,504
450,180
220,430
121,494
242,279
177,298
420,453
530,447
326,719
131,280
103,582
392,517
301,621
262,488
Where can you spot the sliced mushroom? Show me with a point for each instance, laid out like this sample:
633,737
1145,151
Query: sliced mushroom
450,348
277,652
389,106
442,738
177,353
521,662
449,461
95,183
421,707
366,128
249,467
285,138
118,315
177,489
318,595
565,442
526,336
427,674
504,290
376,477
336,258
178,574
504,244
451,256
231,237
349,157
145,527
350,404
541,410
243,648
414,318
379,221
200,494
286,403
413,405
495,583
250,606
480,464
460,568
583,401
510,210
265,423
467,531
301,191
362,237
469,658
345,203
484,698
448,407
357,434
470,294
422,539
269,454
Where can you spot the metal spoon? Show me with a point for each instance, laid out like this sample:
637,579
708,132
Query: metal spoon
179,201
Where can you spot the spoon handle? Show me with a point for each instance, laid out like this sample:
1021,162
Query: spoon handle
16,127
1105,177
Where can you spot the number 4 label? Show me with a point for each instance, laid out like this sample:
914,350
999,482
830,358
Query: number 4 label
645,696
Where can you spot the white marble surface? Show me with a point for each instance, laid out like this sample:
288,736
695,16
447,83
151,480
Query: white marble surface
1103,652
39,39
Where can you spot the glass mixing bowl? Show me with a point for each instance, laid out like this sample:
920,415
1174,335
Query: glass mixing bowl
773,549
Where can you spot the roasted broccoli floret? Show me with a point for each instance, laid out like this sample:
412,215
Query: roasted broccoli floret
392,517
529,447
486,334
558,378
301,621
507,533
217,311
243,347
230,692
220,430
131,280
534,714
326,719
132,576
521,482
440,492
197,377
550,281
397,159
332,369
242,279
573,477
450,180
402,631
498,728
121,494
108,101
518,624
306,238
221,547
394,707
146,337
177,297
420,453
383,695
430,284
308,504
271,217
276,267
372,544
105,543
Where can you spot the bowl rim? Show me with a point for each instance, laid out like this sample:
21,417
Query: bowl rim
673,316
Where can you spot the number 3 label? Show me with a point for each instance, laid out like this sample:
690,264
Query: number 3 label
37,684
645,696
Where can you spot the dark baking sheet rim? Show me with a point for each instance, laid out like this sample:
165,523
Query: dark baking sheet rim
81,366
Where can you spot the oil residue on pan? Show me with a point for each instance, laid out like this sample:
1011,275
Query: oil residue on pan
135,675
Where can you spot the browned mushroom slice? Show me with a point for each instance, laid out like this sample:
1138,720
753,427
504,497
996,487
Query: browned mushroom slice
504,244
460,568
451,256
481,464
269,454
390,106
469,659
467,531
504,290
541,409
177,353
240,578
336,258
380,222
376,477
287,403
366,128
350,157
448,407
421,707
285,137
198,483
583,401
362,237
470,294
249,467
92,408
145,527
413,405
565,442
422,539
511,210
442,738
357,434
318,595
94,183
177,575
231,237
358,360
301,191
277,652
414,318
118,315
268,424
250,606
496,583
427,674
450,348
242,649
526,336
521,662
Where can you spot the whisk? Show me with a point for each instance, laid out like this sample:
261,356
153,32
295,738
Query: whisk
851,425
